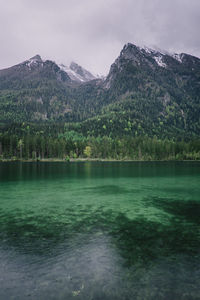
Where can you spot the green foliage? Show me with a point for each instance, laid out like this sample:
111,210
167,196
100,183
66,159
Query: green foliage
55,142
67,158
140,100
140,111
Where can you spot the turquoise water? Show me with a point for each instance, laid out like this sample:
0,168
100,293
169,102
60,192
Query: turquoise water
100,230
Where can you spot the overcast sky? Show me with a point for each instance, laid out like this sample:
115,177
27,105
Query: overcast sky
93,32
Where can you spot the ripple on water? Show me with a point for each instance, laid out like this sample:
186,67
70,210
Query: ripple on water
100,231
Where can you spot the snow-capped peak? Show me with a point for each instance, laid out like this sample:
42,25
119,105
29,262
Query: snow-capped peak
73,75
34,61
156,53
77,73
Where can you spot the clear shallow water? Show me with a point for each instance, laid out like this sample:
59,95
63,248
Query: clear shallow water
100,230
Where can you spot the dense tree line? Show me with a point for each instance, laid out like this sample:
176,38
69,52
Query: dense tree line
37,142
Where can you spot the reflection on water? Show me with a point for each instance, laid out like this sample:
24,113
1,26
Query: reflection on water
100,231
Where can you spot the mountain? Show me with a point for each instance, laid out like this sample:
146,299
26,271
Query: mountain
147,92
135,60
30,72
151,92
33,90
35,65
77,73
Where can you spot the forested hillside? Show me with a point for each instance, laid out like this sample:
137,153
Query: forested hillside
148,107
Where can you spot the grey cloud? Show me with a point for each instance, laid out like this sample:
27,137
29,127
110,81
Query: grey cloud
93,32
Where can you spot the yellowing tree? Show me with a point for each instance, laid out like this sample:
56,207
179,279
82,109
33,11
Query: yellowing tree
87,151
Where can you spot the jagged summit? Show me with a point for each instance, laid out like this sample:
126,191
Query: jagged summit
142,59
34,61
152,58
77,73
73,72
141,55
161,57
86,75
37,57
147,92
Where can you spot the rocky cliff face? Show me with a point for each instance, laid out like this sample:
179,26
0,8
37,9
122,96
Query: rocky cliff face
151,60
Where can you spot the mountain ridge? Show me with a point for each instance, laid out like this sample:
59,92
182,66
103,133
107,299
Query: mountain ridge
145,92
74,71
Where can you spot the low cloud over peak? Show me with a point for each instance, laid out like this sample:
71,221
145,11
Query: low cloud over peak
93,32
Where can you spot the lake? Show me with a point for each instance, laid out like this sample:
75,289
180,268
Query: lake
100,230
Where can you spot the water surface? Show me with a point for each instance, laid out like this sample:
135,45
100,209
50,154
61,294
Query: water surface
100,230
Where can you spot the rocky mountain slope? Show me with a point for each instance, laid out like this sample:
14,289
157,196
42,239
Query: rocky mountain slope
147,92
157,93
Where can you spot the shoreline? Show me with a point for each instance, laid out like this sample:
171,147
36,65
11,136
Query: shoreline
44,160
